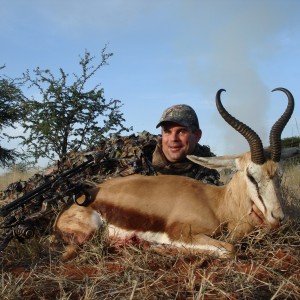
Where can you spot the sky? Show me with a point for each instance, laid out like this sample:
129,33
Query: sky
169,52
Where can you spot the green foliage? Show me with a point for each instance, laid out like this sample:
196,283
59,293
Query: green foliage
69,117
290,142
10,112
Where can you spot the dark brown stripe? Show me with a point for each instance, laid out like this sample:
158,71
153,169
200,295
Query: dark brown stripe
131,219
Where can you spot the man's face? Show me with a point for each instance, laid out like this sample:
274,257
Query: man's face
178,141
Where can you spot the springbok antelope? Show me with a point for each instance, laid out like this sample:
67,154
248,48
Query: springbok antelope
183,212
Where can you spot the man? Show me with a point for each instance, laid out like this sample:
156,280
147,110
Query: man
180,136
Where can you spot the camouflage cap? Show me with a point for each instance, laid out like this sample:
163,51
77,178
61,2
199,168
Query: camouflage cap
180,114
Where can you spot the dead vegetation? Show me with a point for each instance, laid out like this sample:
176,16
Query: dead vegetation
13,176
266,267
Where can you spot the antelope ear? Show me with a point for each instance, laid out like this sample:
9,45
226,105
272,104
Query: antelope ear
215,162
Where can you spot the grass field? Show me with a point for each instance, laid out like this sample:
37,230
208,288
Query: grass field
266,266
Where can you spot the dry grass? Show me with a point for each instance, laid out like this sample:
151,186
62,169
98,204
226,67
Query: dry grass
266,267
13,176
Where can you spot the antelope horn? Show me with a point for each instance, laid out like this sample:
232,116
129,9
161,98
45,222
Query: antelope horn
275,134
254,141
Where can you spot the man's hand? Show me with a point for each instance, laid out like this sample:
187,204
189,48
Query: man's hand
257,216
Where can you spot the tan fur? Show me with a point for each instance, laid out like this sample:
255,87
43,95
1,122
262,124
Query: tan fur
183,211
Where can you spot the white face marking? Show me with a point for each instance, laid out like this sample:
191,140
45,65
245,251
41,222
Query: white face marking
253,177
262,191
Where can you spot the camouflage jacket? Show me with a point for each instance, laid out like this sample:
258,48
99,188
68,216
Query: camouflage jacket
142,154
118,156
